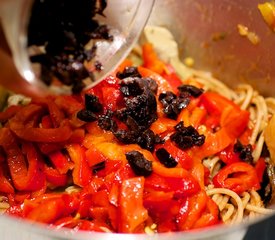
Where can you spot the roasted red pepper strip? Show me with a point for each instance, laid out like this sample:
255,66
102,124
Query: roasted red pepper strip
60,162
214,143
216,103
49,208
163,207
228,155
81,173
230,116
183,186
36,134
131,210
151,60
48,211
5,185
55,112
55,178
9,113
94,156
69,104
27,177
210,216
171,76
191,210
234,121
238,177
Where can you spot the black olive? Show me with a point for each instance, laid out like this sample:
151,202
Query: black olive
187,137
173,104
92,103
128,72
139,164
148,139
166,158
192,90
86,116
106,122
245,151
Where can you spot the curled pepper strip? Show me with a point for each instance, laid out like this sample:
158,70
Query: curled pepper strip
27,177
18,124
81,173
5,185
238,177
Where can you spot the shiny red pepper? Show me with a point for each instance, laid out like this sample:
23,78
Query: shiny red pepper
228,155
226,112
55,178
61,162
49,208
19,125
238,177
5,184
27,177
131,210
9,113
81,173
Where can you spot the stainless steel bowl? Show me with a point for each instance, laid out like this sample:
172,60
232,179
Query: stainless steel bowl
208,32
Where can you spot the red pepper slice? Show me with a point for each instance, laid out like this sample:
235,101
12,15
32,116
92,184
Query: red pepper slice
36,134
61,162
151,60
230,116
216,103
238,177
214,143
163,208
228,156
69,104
81,173
191,211
27,177
9,113
181,187
5,185
55,178
55,113
131,210
171,76
234,120
210,216
47,211
94,156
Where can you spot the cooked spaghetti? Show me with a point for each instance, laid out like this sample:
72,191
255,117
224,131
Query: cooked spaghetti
145,151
